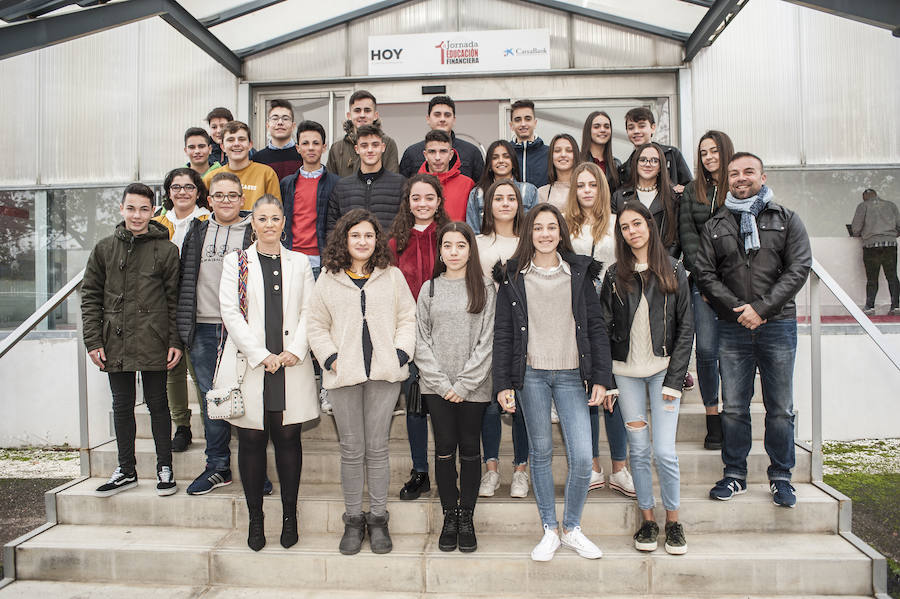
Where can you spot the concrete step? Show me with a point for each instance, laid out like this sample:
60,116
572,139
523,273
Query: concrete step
28,589
321,507
691,425
321,462
756,563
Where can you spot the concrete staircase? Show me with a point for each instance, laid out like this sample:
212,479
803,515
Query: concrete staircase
139,544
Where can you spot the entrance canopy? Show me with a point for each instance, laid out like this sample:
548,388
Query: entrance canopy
232,30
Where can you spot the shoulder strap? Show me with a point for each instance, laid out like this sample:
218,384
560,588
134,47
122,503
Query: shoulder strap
242,282
431,288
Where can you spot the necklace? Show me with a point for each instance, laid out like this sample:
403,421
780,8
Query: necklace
272,256
639,188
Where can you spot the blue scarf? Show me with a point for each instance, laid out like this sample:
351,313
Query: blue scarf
749,209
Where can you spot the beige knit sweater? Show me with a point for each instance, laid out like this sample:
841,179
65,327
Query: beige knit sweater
335,326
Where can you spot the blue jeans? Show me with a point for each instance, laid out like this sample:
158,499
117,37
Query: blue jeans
706,325
566,389
491,431
209,339
615,433
772,348
633,394
416,429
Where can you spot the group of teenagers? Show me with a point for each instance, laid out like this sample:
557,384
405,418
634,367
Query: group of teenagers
569,302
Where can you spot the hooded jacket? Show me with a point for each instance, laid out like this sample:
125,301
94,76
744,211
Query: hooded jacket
471,162
128,299
191,254
323,192
343,160
511,325
416,262
534,160
378,193
768,278
456,188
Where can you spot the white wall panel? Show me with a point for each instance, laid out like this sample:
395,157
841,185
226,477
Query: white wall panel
320,55
851,91
747,84
89,108
19,120
599,45
179,84
417,17
481,15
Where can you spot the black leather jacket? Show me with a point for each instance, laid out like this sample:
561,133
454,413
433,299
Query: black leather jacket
671,319
511,325
627,194
767,278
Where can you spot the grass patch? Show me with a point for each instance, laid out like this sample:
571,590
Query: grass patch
876,515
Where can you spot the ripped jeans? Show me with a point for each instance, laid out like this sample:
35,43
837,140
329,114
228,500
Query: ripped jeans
632,401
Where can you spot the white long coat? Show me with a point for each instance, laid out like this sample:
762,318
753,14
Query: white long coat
250,337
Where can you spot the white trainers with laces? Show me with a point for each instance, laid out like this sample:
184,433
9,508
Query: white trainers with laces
519,486
622,482
490,481
543,551
598,480
575,540
324,404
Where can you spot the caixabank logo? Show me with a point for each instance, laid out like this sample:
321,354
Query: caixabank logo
458,52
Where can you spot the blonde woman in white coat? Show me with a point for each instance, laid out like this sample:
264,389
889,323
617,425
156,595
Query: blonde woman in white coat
279,386
362,328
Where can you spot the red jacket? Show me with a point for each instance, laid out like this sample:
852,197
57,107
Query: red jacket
417,260
456,188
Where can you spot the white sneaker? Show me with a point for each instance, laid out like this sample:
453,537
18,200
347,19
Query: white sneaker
622,482
554,415
519,486
324,404
597,479
490,481
543,551
575,539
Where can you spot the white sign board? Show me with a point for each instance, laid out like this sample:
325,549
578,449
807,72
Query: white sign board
460,52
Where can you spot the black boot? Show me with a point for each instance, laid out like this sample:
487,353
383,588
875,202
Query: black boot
354,532
447,540
256,537
289,534
417,484
379,538
713,432
467,540
182,439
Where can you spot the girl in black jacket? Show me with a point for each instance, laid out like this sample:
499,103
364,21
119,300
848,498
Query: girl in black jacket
550,344
647,308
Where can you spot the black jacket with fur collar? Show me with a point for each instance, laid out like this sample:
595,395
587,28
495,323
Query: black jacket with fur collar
511,325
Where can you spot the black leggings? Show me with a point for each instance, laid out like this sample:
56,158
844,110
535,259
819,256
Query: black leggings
456,425
123,395
252,445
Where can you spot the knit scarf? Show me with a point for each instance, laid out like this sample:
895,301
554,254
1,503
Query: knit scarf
749,209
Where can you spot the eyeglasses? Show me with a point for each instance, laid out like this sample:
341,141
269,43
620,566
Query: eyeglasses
651,161
280,119
226,198
177,188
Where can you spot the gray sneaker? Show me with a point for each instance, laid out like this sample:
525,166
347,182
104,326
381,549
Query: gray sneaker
519,486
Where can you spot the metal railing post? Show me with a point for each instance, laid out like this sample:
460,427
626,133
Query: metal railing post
815,354
84,442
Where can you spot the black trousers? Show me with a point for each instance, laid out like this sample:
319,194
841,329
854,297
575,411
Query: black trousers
124,392
875,259
252,445
456,426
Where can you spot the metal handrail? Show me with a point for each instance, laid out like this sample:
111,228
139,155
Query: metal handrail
41,313
820,276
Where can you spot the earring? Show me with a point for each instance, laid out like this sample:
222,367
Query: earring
441,258
253,236
283,235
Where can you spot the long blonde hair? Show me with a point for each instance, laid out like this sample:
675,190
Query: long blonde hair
601,211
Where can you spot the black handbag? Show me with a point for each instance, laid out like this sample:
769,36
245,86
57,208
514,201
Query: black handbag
414,402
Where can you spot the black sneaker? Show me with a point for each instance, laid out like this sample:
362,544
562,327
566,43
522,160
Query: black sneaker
118,482
783,493
182,439
727,488
165,481
676,544
418,483
645,538
209,480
